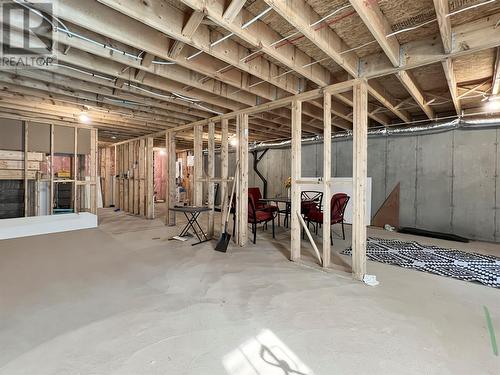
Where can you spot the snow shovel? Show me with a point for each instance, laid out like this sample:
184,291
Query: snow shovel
225,236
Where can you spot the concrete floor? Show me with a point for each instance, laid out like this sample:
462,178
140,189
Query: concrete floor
121,300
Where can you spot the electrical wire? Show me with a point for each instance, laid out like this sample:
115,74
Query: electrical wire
186,98
37,12
470,7
435,19
84,72
411,28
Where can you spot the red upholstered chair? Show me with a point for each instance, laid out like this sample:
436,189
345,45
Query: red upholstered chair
255,193
338,205
257,216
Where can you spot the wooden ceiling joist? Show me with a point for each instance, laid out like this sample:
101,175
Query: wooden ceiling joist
409,83
469,38
234,7
452,84
378,25
146,62
168,20
496,74
380,28
301,16
228,51
188,31
442,8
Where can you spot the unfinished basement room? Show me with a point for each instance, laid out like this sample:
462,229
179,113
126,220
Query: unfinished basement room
249,187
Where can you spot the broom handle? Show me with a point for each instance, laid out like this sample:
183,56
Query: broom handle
228,208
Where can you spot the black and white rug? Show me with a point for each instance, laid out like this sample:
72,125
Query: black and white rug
484,269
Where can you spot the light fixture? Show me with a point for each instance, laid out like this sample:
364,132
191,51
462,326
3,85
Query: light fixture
163,151
84,118
113,137
493,103
233,141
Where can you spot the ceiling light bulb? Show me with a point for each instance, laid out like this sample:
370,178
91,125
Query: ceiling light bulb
233,141
493,105
162,151
84,118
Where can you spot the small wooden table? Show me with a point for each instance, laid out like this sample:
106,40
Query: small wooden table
192,213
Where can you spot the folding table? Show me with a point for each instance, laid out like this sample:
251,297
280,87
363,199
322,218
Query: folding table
192,213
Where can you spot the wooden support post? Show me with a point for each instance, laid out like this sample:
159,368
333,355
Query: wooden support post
114,178
93,171
75,170
142,177
170,177
106,176
296,175
327,160
126,172
211,175
150,209
51,196
242,194
137,177
119,173
131,165
359,174
26,164
198,166
224,160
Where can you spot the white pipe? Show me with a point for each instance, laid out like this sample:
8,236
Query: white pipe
194,55
213,44
261,14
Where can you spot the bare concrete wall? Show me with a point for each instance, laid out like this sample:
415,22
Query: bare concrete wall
449,181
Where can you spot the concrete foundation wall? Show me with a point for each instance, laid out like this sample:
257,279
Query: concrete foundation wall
449,181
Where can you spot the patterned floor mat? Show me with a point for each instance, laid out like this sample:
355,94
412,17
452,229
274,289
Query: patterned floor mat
484,269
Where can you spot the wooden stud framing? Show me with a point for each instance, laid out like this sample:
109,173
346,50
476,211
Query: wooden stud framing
242,195
496,74
131,181
224,160
149,179
360,149
327,160
296,175
170,177
51,196
198,166
134,184
114,177
211,176
26,165
142,177
75,170
93,171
